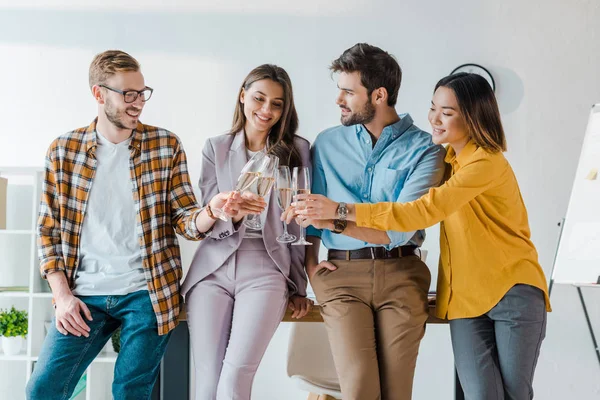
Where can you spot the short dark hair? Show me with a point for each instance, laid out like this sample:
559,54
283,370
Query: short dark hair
377,68
479,109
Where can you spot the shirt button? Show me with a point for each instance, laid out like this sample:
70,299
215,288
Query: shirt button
365,196
370,169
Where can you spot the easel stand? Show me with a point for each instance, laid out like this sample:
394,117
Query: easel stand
587,318
579,292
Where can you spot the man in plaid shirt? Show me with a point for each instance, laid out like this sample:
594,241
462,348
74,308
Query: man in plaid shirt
115,193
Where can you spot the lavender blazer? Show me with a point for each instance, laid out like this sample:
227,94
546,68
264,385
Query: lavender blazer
222,160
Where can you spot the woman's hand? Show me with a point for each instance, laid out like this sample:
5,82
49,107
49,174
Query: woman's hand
300,306
250,203
229,202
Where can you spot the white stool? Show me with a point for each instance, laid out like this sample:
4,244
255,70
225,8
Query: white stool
310,363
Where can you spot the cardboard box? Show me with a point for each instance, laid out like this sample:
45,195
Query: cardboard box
3,189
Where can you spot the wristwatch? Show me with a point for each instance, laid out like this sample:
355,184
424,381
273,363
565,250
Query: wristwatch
210,213
342,211
339,225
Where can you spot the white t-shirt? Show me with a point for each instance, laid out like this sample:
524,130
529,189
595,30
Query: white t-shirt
110,257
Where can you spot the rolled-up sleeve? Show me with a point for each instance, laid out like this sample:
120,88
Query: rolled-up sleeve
184,207
48,226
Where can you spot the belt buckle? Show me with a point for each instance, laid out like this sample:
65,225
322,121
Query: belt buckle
347,255
372,253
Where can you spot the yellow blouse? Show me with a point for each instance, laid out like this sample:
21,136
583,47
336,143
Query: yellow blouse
484,234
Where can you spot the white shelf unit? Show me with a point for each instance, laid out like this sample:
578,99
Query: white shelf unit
19,267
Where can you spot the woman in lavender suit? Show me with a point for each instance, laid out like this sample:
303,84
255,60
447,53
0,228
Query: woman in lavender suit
241,281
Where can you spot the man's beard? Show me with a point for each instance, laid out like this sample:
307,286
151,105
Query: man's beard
363,116
116,117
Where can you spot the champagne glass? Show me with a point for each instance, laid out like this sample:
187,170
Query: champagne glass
249,174
284,198
301,185
263,186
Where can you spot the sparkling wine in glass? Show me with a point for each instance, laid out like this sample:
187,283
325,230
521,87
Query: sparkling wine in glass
249,174
284,199
246,180
262,187
264,184
301,185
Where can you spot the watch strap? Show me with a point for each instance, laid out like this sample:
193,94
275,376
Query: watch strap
209,212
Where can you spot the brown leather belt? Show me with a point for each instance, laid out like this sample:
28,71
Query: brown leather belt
371,253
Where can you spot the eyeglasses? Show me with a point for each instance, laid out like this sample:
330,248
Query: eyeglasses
131,95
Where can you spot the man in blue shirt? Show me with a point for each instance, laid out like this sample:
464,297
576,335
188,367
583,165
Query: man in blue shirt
372,288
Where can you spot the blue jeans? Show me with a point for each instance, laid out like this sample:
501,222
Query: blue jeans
496,354
64,359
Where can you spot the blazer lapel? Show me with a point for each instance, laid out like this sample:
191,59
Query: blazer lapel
237,157
272,221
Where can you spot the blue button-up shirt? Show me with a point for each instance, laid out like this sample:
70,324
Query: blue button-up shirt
401,167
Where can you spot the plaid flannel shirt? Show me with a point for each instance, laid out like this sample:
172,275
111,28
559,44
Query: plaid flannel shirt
164,199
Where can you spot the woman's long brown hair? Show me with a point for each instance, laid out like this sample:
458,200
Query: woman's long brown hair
281,137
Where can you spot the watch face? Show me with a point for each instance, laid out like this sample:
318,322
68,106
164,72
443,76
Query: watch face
342,210
339,225
476,69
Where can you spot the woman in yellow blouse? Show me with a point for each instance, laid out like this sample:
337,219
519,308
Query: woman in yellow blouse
490,284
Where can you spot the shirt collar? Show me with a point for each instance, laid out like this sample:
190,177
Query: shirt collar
396,129
91,137
464,155
137,136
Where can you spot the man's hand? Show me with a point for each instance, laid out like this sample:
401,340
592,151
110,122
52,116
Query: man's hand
288,215
300,306
68,316
316,223
311,270
291,214
315,206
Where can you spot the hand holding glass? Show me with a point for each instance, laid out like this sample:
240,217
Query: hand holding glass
284,199
264,184
301,185
249,174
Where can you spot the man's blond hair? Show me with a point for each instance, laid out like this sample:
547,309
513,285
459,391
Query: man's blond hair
108,63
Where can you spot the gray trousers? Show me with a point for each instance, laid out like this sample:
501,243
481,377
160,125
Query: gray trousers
232,315
496,354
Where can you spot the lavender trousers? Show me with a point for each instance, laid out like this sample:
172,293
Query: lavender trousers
232,315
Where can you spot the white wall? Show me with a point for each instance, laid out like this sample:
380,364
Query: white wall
545,56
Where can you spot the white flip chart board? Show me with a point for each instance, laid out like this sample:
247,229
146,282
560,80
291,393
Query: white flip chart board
578,256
